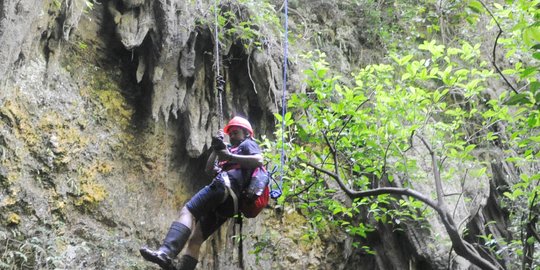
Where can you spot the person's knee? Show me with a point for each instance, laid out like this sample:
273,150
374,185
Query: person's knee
186,217
185,211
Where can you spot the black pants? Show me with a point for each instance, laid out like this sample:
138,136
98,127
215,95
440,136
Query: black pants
209,208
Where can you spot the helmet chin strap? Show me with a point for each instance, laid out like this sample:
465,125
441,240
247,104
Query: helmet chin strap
237,142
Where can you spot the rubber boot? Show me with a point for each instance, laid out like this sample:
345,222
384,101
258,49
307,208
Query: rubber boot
187,263
172,245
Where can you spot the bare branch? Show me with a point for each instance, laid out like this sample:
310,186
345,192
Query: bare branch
332,149
334,154
301,191
325,171
351,116
494,59
533,232
385,159
488,254
461,247
436,173
410,141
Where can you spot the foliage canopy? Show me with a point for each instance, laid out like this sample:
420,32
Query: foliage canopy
447,98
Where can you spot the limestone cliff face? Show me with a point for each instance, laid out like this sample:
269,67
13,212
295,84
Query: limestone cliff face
106,111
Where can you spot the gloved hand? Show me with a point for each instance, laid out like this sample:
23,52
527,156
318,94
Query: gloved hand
217,141
218,144
250,197
224,155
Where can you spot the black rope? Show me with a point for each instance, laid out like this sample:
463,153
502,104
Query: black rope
220,82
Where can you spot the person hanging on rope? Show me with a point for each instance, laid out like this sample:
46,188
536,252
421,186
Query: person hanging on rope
207,210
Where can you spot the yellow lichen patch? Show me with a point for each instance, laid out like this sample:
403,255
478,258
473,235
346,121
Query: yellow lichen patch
181,195
7,201
12,177
116,106
58,205
298,232
92,193
87,173
64,138
13,219
104,168
61,137
90,173
19,119
100,86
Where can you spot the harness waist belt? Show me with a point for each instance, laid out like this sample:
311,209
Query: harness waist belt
229,191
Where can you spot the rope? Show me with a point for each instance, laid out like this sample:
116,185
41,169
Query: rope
220,82
277,193
220,85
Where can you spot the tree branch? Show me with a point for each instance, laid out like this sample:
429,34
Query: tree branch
334,154
461,247
301,191
494,59
351,116
436,173
375,192
385,159
534,233
410,141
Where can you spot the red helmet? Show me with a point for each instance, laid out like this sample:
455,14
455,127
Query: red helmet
238,121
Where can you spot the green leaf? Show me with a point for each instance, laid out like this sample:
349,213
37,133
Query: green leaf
278,117
518,192
534,86
518,99
536,55
508,195
404,60
490,136
479,172
528,71
535,32
476,6
321,72
531,34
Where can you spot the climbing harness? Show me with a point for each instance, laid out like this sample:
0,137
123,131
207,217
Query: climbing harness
229,191
276,193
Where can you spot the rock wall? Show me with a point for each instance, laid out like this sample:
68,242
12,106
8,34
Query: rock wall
106,112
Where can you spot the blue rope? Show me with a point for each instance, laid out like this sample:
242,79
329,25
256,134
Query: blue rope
277,193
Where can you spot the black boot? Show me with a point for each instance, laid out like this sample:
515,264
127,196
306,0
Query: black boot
172,245
187,263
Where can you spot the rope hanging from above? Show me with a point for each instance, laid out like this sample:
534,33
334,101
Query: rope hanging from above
220,82
276,193
220,86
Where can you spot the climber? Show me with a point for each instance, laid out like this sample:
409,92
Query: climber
207,210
